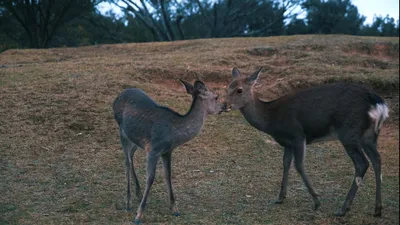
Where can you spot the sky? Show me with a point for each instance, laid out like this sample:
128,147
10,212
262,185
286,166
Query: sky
368,8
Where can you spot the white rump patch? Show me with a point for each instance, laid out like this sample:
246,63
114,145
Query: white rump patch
378,114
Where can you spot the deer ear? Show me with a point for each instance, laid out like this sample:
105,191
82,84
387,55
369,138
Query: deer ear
200,86
235,73
188,86
254,77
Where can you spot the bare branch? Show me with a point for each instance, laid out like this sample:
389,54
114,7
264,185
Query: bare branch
19,19
202,11
113,35
143,17
166,20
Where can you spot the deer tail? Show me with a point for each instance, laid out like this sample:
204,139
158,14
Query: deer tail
378,112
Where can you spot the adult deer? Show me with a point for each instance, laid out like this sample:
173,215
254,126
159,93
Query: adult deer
158,130
351,113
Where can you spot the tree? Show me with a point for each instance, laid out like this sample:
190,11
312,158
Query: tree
157,15
41,19
10,32
296,26
229,18
185,19
388,27
332,17
94,28
381,26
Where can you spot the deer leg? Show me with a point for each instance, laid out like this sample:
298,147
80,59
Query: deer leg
135,179
129,149
299,154
361,166
152,160
370,148
287,159
128,180
166,159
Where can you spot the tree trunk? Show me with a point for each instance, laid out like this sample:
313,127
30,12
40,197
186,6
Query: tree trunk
167,21
178,25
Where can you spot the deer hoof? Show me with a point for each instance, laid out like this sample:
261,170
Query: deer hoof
176,214
341,212
317,204
279,201
139,195
138,221
129,209
378,212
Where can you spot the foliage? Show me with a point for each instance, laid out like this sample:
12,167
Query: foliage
51,23
94,28
382,27
332,17
41,19
159,17
296,26
230,18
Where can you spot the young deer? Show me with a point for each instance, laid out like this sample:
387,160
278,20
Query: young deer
351,113
157,129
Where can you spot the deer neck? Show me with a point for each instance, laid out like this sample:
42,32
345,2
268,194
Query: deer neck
256,113
189,125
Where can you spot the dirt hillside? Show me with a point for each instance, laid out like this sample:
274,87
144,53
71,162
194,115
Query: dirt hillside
61,161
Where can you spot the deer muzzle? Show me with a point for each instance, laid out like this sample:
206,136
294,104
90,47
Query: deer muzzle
227,107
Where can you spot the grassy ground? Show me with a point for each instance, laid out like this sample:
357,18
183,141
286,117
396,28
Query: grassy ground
61,161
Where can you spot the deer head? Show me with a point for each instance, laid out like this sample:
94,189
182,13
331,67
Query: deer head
240,90
199,91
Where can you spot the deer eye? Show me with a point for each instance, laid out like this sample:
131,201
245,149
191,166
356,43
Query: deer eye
216,98
239,90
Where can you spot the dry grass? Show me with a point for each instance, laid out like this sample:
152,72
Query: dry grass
61,162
